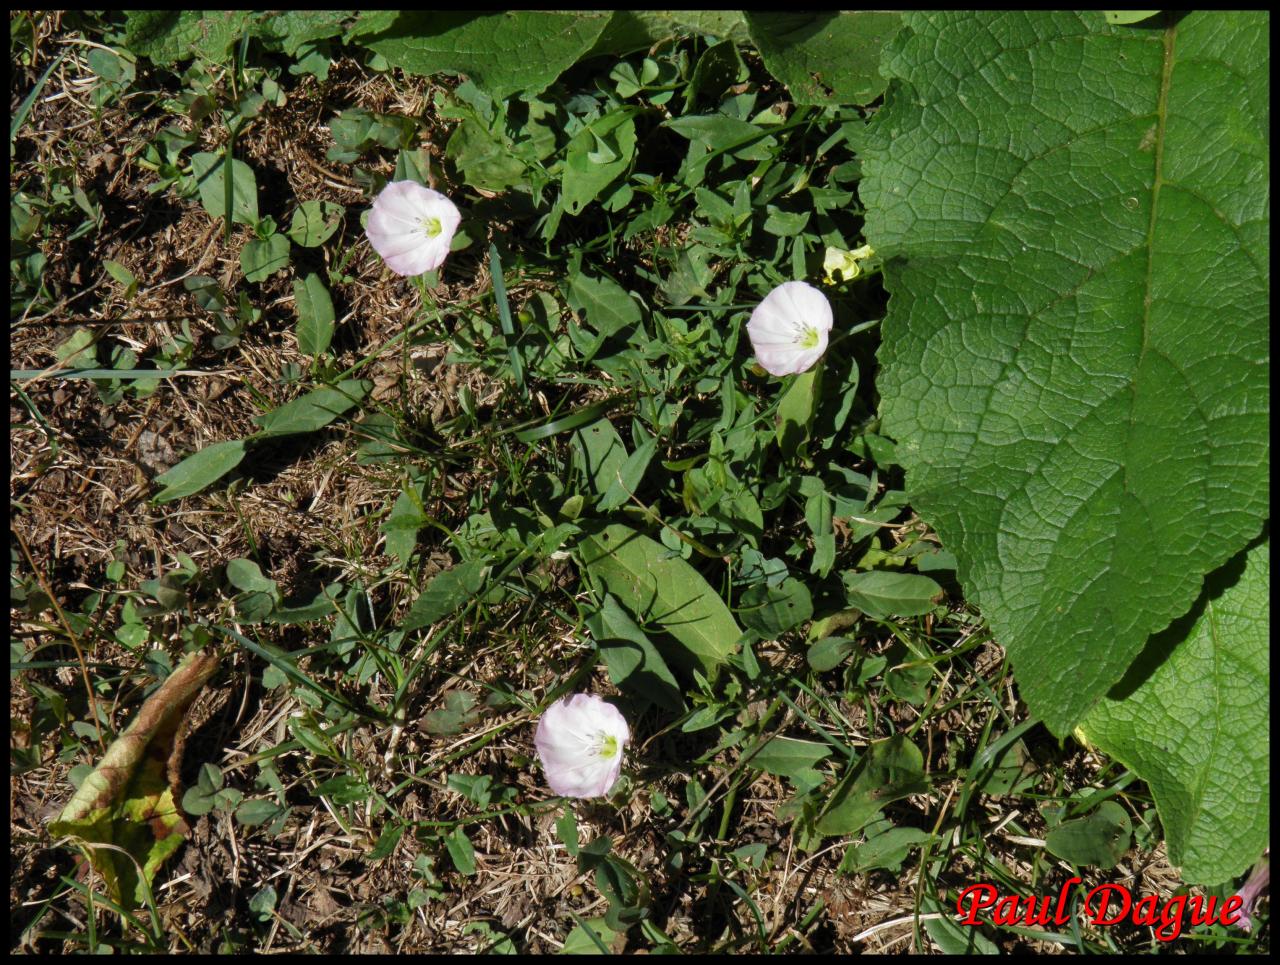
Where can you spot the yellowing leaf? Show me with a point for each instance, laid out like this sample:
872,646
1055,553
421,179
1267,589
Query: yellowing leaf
129,799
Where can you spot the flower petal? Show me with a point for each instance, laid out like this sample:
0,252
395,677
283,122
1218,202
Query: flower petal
398,227
580,739
788,329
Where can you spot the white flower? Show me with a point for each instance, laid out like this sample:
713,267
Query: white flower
580,740
789,328
411,227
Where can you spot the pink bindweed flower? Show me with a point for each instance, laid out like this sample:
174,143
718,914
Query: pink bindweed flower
1249,893
789,328
411,227
580,740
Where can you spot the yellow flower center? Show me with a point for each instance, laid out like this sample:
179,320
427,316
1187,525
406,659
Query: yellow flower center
432,226
608,746
808,337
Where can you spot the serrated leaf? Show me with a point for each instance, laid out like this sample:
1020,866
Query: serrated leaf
199,470
659,589
297,27
209,173
313,411
632,30
1192,719
1061,204
315,314
824,58
502,53
167,36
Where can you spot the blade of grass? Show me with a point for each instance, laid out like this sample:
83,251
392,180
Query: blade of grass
23,375
591,933
573,420
504,315
24,109
229,182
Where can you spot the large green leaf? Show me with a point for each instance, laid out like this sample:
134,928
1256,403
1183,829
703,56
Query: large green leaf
631,30
506,52
662,590
825,58
1192,717
294,28
168,36
1074,360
